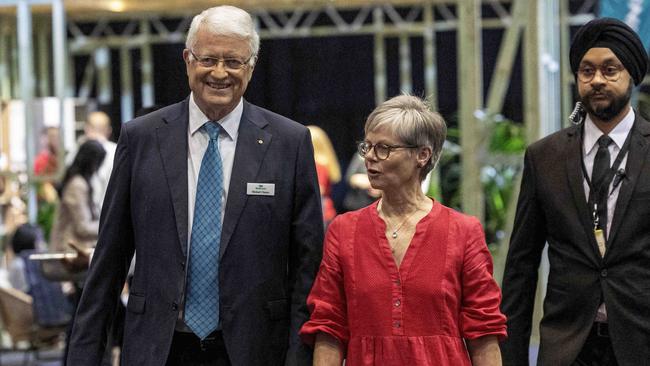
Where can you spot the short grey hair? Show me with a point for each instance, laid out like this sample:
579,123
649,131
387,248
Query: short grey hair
228,21
414,122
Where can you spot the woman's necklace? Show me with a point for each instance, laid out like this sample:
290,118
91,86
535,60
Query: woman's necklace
399,227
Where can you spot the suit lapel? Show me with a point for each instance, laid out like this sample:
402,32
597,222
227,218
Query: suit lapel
574,174
252,144
635,160
172,144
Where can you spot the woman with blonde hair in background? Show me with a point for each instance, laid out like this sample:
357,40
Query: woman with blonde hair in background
327,169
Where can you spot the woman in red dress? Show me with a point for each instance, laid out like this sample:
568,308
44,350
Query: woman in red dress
406,280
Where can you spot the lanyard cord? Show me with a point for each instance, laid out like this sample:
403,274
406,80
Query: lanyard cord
613,170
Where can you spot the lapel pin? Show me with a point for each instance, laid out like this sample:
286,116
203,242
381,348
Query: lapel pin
260,141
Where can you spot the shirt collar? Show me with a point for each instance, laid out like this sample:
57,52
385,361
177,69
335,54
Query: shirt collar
229,123
618,134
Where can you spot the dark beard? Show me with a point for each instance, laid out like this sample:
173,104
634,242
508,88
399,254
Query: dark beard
607,113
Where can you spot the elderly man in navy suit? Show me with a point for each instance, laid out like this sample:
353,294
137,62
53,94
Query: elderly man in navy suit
220,201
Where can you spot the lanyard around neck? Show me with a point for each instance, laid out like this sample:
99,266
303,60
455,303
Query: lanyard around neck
613,170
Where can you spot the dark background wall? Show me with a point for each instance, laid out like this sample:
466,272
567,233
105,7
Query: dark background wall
327,81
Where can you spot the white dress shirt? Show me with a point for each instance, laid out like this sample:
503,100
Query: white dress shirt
590,147
99,180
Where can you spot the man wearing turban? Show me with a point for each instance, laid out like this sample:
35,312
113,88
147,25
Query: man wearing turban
586,192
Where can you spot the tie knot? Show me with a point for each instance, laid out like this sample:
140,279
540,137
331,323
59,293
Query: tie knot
604,141
213,129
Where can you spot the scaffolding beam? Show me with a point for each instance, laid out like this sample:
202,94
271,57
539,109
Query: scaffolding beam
380,57
5,63
506,58
126,74
43,57
26,69
470,99
146,60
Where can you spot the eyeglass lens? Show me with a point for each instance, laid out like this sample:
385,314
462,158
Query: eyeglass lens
609,72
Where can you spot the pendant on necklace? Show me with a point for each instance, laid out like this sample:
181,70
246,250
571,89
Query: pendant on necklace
394,234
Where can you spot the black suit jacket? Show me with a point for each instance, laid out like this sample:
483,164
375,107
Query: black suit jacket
552,208
270,245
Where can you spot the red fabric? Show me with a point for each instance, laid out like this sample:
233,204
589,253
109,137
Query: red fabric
329,212
45,163
418,314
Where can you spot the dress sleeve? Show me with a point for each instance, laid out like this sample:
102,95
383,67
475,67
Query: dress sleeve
326,302
479,314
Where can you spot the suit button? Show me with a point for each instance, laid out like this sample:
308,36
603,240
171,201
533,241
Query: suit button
174,306
603,273
183,265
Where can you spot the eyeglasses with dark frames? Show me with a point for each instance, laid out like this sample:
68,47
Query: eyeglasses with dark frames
382,151
611,72
228,63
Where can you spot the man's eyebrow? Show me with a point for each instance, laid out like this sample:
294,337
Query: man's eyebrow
608,60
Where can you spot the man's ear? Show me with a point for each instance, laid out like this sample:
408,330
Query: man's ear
251,68
186,56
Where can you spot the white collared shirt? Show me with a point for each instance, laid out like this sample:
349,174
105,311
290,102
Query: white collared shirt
198,141
590,147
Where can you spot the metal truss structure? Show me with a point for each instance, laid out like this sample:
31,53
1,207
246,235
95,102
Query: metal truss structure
541,26
382,20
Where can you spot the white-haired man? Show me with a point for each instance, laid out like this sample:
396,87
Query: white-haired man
219,198
98,127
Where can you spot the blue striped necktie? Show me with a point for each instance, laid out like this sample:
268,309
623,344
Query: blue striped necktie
202,301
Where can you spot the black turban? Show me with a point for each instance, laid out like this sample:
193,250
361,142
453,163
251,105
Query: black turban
617,36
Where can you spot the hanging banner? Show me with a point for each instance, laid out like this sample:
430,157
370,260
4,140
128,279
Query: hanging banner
635,13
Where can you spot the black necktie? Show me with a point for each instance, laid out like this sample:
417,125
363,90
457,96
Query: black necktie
599,187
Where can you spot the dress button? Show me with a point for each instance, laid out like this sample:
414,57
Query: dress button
174,306
603,273
397,282
396,324
397,303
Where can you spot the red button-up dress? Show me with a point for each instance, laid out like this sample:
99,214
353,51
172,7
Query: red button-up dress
417,314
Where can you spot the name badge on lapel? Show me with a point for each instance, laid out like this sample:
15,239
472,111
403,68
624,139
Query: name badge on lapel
600,239
260,189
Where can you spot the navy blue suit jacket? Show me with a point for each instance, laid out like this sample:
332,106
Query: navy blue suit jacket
271,246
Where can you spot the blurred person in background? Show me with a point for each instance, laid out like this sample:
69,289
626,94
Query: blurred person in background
406,280
327,169
26,237
98,128
77,217
46,163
